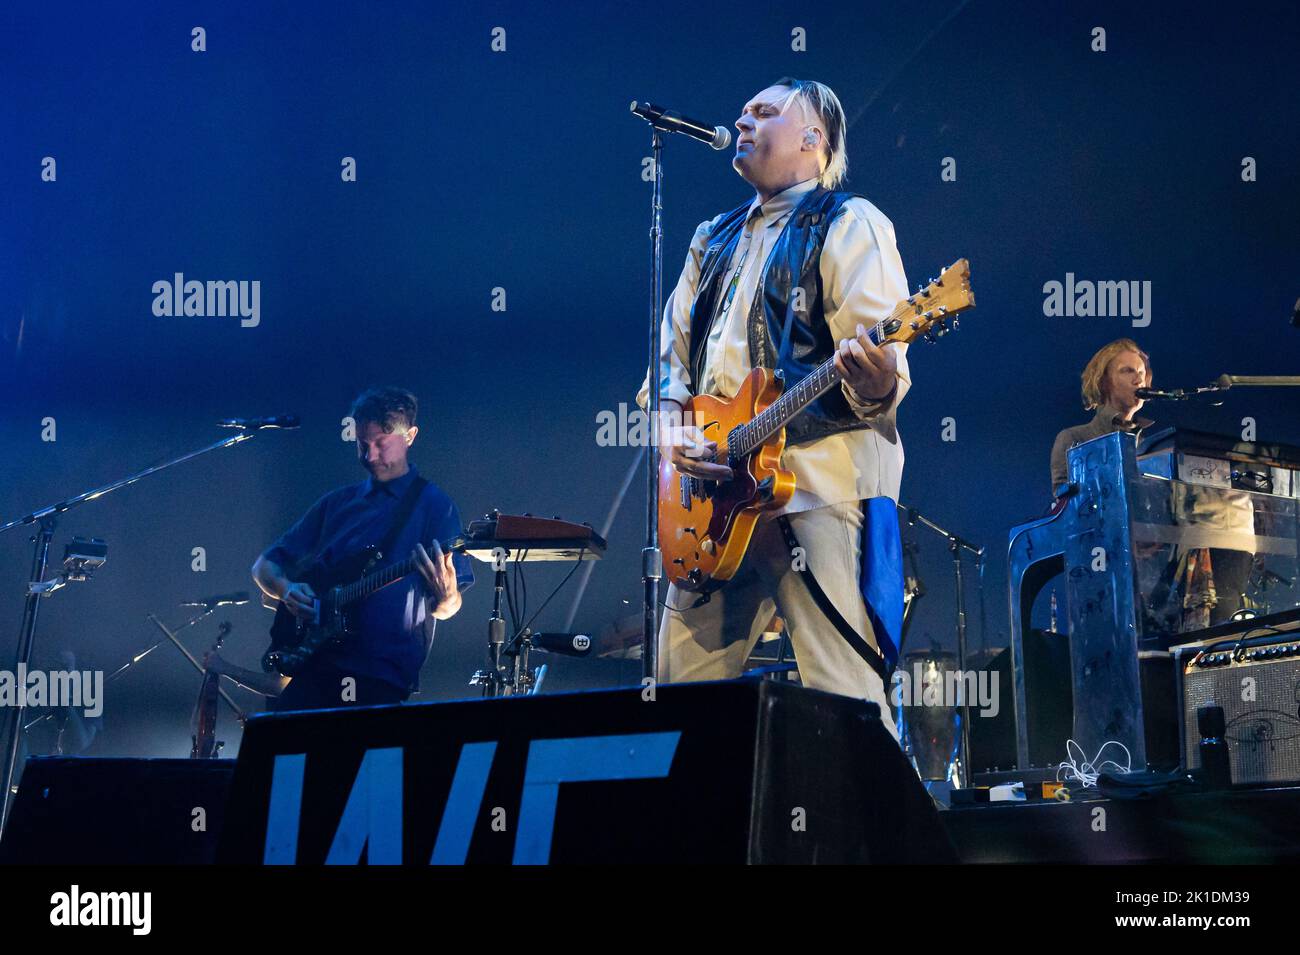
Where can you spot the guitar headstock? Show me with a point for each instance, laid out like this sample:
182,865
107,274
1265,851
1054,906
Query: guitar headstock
933,310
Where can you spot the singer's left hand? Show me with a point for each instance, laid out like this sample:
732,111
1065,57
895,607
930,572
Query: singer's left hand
871,371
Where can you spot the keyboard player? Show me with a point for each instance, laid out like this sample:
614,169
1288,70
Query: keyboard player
1110,382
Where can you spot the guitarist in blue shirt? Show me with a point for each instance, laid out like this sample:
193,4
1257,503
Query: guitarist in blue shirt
380,661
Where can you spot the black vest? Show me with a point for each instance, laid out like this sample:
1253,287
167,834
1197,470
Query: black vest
794,262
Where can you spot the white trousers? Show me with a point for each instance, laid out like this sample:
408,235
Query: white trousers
713,641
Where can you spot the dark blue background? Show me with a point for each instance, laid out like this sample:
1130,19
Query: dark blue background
522,170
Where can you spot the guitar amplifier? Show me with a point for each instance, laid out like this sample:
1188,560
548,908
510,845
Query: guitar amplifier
1256,681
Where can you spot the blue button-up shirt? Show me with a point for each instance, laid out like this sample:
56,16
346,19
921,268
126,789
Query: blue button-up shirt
394,627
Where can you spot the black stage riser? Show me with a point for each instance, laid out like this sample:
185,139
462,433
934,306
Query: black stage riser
1256,826
83,811
707,773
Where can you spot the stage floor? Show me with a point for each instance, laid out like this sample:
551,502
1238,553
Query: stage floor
1247,825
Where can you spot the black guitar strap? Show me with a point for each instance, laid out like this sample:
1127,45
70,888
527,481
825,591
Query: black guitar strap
405,507
859,645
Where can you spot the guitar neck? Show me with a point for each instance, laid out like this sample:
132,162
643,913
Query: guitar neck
378,580
772,419
359,590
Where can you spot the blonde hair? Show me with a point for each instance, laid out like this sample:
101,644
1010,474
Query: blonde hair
1094,373
822,102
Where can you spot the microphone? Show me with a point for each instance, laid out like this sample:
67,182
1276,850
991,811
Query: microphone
568,644
257,424
719,137
1178,394
220,600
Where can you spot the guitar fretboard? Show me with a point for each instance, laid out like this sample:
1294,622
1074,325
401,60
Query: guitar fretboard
367,585
772,419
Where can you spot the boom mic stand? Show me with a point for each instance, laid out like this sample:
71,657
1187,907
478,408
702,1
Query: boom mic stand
172,636
1221,384
47,518
1224,382
136,658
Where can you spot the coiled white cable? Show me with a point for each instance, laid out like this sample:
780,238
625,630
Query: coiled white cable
1087,771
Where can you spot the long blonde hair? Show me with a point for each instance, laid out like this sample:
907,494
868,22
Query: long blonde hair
1094,373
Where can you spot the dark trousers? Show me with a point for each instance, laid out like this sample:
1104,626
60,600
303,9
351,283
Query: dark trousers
321,686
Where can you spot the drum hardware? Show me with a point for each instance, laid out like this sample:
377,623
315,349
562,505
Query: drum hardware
779,666
956,546
913,590
930,733
503,540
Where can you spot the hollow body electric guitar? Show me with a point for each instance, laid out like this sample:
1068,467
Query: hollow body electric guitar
705,526
339,589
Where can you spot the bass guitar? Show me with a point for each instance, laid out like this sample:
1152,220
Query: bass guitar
339,591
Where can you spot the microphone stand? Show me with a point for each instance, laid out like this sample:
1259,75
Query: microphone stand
47,518
209,606
172,636
660,121
956,545
651,557
1225,382
1222,383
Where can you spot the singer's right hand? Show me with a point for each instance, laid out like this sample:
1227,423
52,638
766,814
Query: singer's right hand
300,599
691,452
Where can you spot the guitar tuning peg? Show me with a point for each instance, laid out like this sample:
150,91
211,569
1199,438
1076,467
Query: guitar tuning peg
956,323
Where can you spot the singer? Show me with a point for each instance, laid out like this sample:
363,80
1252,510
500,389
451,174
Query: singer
396,510
735,298
1189,587
1110,383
